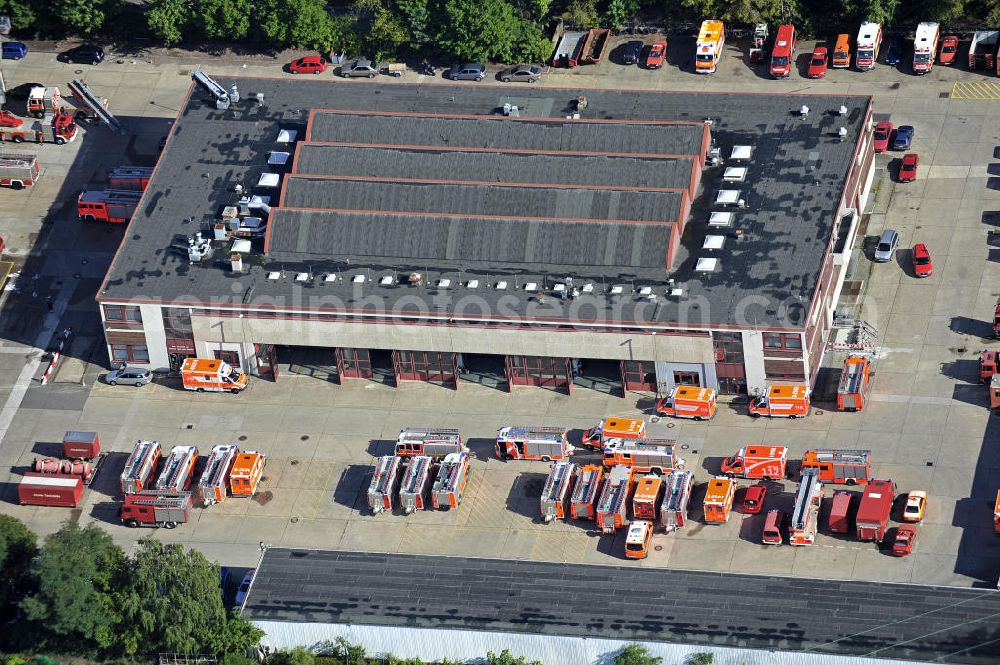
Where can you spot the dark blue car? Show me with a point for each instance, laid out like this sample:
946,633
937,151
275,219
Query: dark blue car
894,53
904,137
631,52
14,50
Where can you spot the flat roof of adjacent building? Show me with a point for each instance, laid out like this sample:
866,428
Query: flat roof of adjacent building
624,602
796,177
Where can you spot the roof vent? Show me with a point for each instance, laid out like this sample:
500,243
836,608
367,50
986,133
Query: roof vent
842,133
714,242
706,264
530,286
721,219
616,289
302,277
559,287
676,292
276,275
472,284
501,285
842,110
358,279
645,291
804,111
415,278
588,288
511,109
236,261
444,283
332,277
387,280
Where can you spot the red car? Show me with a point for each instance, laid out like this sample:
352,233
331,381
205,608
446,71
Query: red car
922,266
655,55
949,47
906,538
817,63
883,132
310,64
753,499
908,169
8,119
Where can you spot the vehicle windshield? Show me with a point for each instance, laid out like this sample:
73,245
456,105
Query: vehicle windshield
865,54
922,58
948,49
881,133
909,166
883,247
779,60
921,261
819,60
633,547
704,57
841,54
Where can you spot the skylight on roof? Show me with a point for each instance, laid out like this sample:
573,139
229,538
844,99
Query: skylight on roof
714,242
276,158
286,136
735,174
741,152
269,180
728,197
706,264
720,218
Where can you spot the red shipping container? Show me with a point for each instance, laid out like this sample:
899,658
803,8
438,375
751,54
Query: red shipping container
50,489
840,512
81,445
873,511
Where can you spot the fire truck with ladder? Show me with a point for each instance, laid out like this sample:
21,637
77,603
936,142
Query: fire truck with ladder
150,508
107,205
555,493
533,443
613,504
643,455
133,178
805,515
852,392
140,466
841,467
673,511
449,485
413,490
83,104
215,478
178,469
582,504
385,483
437,443
58,128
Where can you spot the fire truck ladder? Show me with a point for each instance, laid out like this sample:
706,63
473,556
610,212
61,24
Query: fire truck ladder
176,468
218,463
521,432
556,481
82,92
415,474
586,486
449,475
804,498
676,490
140,454
385,472
615,492
850,382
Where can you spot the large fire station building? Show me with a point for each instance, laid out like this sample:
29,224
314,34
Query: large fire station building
421,231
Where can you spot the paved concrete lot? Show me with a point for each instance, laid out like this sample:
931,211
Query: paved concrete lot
927,425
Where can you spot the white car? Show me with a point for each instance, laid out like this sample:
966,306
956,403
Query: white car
886,247
241,593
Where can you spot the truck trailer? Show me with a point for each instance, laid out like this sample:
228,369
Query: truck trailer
50,489
81,445
872,518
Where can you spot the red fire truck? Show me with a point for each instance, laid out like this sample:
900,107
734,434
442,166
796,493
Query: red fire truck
107,205
18,171
59,129
134,178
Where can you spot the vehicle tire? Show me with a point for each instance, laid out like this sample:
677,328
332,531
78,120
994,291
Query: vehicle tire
851,482
755,415
294,73
17,184
199,390
479,78
546,458
95,62
371,76
169,525
80,115
38,115
766,478
235,391
317,72
506,79
794,416
730,475
132,523
89,218
532,80
699,418
343,75
17,138
112,383
60,140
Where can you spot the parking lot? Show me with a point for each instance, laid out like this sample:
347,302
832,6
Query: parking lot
927,424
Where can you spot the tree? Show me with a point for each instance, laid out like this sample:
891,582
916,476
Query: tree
224,19
73,599
619,12
296,656
701,658
507,658
530,43
477,30
385,35
22,15
636,654
86,16
18,546
170,601
582,14
417,19
168,19
879,11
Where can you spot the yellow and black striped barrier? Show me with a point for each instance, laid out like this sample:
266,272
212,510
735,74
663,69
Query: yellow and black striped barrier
981,90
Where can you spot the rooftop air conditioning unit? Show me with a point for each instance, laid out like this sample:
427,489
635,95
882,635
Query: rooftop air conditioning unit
236,261
472,284
198,248
444,283
302,277
274,275
616,289
387,280
358,279
804,111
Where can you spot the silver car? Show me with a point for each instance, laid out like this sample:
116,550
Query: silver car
359,67
129,376
886,247
524,72
467,72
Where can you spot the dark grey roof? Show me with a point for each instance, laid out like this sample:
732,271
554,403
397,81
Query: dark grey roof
795,181
627,603
501,132
467,199
483,166
473,242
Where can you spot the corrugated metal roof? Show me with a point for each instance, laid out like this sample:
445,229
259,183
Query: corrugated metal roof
500,132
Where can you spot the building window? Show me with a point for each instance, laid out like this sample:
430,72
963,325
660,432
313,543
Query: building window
732,385
129,353
783,341
687,379
785,370
728,347
124,313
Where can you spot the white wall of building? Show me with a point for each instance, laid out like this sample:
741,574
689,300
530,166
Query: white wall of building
753,361
156,336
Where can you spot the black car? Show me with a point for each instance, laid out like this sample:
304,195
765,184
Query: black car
631,51
85,54
22,91
894,53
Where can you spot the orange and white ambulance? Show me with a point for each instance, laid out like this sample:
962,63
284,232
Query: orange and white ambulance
708,48
764,462
781,401
614,428
719,500
637,539
206,374
688,402
246,472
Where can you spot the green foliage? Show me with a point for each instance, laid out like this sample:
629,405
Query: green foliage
386,35
22,15
619,12
636,654
86,16
18,546
583,13
506,658
701,658
342,651
236,659
73,601
223,19
417,19
879,11
168,20
476,30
